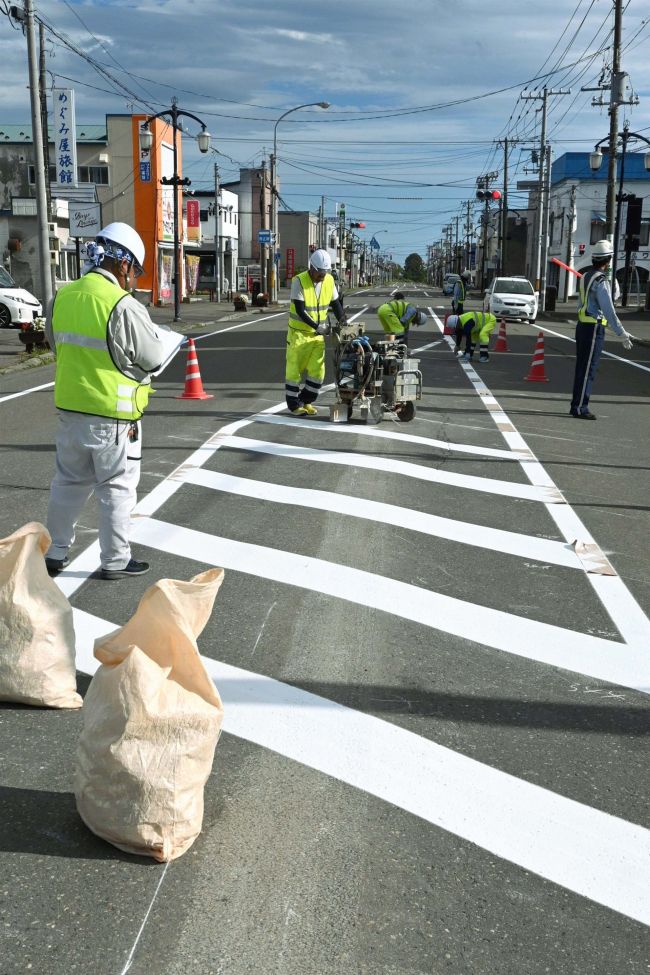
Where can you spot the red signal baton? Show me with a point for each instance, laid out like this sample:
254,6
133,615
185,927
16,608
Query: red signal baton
556,260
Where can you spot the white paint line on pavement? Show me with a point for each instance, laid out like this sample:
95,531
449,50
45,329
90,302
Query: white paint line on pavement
586,851
628,617
322,426
24,392
544,642
495,539
387,465
609,355
129,960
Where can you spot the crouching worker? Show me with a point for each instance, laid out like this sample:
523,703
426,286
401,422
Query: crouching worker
312,293
398,315
475,326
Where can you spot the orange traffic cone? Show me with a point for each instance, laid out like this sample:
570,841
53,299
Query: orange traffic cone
447,329
193,385
537,374
502,339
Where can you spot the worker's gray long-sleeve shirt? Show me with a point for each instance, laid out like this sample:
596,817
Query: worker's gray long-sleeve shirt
599,303
133,339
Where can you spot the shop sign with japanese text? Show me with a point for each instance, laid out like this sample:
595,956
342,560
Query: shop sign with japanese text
65,139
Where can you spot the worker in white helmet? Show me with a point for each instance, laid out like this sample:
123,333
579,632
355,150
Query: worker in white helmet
460,293
106,349
313,292
595,311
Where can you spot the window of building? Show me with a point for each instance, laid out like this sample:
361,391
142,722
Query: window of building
203,216
31,175
85,174
93,174
597,228
644,236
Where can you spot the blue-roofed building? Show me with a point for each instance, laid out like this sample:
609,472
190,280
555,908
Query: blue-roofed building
577,218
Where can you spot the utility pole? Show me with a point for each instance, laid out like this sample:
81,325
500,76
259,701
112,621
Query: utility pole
42,94
610,211
457,266
217,236
263,223
468,231
322,226
504,211
39,165
542,182
569,243
546,212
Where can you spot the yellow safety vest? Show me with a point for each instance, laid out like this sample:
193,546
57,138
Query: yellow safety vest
584,287
87,379
316,307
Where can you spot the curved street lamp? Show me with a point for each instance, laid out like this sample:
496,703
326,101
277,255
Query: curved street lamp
595,162
146,142
272,283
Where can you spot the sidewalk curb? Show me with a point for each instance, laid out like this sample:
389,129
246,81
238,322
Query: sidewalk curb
34,363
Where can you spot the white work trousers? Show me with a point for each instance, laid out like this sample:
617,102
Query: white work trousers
91,457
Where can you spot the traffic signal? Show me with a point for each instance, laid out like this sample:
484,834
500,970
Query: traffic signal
488,195
357,225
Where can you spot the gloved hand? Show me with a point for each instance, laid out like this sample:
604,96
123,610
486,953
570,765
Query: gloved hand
324,328
626,339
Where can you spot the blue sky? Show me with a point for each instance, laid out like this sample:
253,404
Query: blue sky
420,92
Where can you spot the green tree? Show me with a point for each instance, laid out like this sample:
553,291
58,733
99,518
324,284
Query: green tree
414,269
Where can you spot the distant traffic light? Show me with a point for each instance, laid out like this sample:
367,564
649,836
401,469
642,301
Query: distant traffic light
487,195
357,225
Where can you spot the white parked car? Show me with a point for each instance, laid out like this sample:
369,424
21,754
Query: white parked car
511,298
17,306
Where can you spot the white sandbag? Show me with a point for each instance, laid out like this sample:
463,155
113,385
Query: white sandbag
152,719
37,642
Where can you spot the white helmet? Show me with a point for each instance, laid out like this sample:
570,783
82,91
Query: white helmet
320,260
465,275
602,250
420,318
452,321
124,239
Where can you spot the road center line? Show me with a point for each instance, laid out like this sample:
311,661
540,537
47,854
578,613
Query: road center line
626,614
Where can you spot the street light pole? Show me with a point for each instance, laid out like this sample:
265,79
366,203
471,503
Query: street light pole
595,162
272,285
146,142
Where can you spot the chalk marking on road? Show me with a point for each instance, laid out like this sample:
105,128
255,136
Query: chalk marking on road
488,485
533,640
591,853
129,960
323,426
626,614
609,355
24,392
495,539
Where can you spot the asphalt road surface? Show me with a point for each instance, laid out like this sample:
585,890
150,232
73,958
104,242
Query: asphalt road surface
434,756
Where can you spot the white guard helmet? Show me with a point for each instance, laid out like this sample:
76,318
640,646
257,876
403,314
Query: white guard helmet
452,321
124,239
602,250
320,260
466,275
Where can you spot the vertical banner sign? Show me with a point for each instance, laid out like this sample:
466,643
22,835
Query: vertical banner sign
193,220
145,160
291,262
65,138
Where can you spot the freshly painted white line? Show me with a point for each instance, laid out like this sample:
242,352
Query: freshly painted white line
387,465
609,355
322,426
496,540
543,642
626,614
588,852
24,392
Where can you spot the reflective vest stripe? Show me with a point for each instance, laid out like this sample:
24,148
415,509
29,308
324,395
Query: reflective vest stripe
316,307
584,287
85,341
